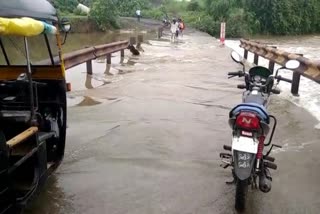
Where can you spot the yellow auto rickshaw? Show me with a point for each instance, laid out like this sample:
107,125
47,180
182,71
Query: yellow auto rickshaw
33,110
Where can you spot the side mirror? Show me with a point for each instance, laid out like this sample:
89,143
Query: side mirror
236,57
292,64
282,67
65,27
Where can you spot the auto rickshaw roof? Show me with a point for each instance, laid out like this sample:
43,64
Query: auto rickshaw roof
37,9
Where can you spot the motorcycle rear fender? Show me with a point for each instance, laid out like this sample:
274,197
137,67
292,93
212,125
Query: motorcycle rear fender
244,155
242,172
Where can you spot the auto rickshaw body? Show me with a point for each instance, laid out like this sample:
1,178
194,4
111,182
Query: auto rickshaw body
33,110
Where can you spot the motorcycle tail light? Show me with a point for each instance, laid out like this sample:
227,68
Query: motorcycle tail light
248,120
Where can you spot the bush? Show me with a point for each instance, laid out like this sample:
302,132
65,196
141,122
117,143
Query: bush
174,8
207,24
153,14
237,23
129,7
201,21
193,6
79,12
87,3
105,14
65,5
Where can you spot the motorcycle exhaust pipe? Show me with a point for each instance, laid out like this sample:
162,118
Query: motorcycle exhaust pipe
265,182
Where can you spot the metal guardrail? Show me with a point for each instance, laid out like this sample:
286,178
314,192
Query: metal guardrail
308,68
88,54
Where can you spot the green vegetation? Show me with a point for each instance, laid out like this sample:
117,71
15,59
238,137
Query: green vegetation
65,6
105,13
242,17
246,17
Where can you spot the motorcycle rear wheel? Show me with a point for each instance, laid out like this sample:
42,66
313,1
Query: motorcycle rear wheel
241,193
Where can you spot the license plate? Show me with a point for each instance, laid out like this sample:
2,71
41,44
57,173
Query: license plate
244,159
245,144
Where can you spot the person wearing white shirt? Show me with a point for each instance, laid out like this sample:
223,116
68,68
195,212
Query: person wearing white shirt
138,13
174,29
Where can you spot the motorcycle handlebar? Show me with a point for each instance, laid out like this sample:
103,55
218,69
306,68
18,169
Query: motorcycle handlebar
238,73
241,86
234,73
283,79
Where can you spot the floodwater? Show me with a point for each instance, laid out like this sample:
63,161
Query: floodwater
309,47
15,49
144,136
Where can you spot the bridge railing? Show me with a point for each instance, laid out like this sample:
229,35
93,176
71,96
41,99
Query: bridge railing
86,55
308,68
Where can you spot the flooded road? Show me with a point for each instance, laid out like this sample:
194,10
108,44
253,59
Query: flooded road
75,41
309,47
148,140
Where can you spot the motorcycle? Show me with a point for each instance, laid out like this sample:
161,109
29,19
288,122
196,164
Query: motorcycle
166,22
251,125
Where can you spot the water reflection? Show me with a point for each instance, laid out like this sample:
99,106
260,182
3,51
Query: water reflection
102,75
14,45
130,62
100,79
51,200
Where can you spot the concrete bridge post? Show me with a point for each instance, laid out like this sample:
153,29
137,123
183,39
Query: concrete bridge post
245,55
256,59
108,59
271,63
295,82
89,67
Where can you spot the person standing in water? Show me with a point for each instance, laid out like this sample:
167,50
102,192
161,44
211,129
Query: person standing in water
181,26
174,30
138,13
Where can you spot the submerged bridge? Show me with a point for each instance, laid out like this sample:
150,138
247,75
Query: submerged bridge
149,142
308,68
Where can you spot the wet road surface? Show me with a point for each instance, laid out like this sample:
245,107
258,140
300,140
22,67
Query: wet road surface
147,139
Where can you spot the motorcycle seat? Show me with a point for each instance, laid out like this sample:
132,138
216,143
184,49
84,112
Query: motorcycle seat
255,99
257,108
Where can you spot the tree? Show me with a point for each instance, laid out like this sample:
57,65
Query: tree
65,5
193,6
87,3
129,7
105,14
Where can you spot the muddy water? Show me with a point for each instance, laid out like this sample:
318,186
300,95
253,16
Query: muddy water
14,46
103,74
309,47
146,138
